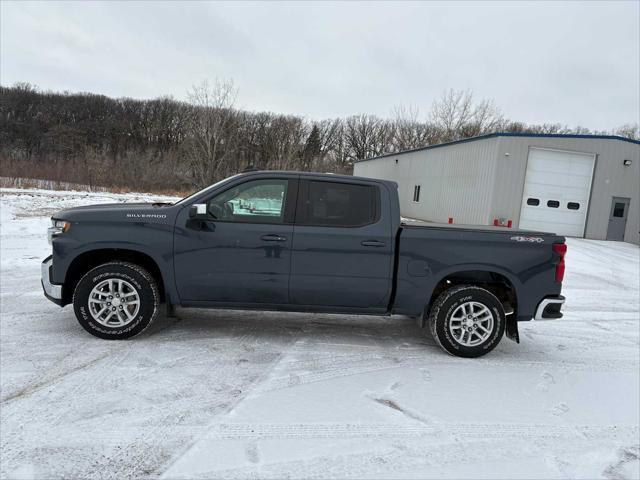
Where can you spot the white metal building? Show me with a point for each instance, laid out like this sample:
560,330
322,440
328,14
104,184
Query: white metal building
573,185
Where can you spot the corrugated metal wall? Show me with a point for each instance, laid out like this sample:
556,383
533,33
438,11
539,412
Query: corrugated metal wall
611,179
456,181
475,182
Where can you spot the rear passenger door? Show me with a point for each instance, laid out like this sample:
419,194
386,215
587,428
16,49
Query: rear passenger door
342,246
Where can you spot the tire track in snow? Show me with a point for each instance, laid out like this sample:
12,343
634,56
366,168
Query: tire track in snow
614,471
72,363
265,431
147,449
409,457
248,393
55,375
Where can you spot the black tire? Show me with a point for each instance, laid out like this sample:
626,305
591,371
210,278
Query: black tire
135,276
443,309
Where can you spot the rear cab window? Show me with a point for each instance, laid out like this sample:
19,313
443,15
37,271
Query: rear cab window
337,204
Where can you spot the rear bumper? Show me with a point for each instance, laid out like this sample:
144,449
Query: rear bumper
52,291
549,308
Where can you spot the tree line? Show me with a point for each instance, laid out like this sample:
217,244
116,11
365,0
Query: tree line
170,145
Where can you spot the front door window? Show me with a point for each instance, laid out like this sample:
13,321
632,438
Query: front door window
257,201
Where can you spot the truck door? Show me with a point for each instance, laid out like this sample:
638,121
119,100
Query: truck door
242,254
342,246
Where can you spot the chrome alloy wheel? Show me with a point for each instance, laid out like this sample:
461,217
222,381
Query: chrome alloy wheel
114,302
471,324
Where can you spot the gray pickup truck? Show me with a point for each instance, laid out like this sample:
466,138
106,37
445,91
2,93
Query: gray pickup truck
301,242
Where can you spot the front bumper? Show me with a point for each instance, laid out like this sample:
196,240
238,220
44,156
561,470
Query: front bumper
52,291
549,308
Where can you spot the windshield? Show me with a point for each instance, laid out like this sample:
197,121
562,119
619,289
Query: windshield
189,197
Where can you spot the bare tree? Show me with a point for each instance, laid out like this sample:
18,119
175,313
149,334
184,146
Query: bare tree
211,142
164,144
458,116
330,133
630,130
410,132
367,136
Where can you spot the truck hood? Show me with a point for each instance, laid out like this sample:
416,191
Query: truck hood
124,212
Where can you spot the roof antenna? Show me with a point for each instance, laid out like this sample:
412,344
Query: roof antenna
250,168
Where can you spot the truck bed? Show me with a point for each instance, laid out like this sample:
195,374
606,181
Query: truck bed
429,252
413,223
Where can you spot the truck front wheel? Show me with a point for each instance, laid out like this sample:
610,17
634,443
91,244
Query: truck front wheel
467,321
116,300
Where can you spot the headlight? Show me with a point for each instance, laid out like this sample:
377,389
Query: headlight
57,227
61,224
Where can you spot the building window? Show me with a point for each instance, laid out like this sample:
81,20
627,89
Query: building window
573,206
416,193
553,204
534,202
618,210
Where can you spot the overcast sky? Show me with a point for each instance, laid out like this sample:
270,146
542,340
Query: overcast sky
576,63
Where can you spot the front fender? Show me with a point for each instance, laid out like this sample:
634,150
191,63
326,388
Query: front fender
154,241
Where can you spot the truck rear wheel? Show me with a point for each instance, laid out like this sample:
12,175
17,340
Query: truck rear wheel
116,300
467,321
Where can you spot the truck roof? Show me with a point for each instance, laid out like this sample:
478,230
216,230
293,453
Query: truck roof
319,175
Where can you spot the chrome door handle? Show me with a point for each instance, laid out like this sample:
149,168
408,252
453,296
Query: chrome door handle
273,238
372,243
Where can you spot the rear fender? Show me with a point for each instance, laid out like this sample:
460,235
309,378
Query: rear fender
471,267
511,325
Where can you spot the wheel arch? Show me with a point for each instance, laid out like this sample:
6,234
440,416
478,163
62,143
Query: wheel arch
90,259
499,282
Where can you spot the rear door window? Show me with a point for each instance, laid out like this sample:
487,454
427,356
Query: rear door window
337,204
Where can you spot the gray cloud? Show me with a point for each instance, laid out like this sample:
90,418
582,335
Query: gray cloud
574,63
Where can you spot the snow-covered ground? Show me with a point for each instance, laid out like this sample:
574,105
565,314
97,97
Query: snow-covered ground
233,394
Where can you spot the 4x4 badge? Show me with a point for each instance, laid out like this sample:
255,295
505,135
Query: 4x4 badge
527,239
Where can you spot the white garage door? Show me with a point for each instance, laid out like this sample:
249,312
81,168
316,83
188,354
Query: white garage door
556,191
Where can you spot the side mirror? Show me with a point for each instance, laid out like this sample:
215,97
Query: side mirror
198,211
